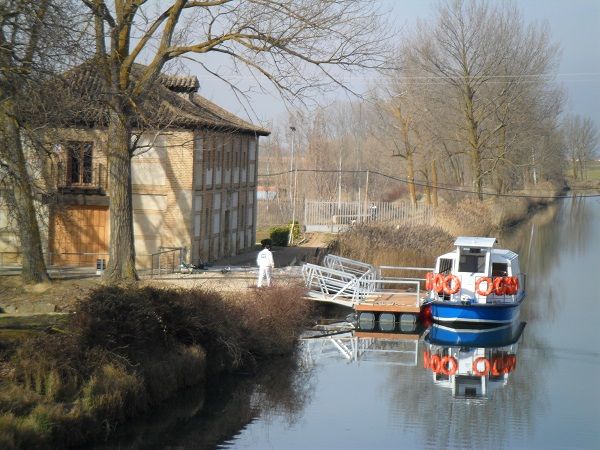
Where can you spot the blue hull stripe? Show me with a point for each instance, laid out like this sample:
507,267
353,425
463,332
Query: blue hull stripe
502,313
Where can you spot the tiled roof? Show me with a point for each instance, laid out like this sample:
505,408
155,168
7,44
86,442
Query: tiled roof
173,102
179,83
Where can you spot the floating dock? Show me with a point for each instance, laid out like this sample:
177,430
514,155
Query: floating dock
363,286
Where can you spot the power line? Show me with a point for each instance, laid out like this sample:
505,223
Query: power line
436,186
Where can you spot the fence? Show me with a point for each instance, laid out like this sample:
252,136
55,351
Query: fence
277,212
167,261
335,216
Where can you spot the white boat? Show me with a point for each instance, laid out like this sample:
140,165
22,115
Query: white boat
476,283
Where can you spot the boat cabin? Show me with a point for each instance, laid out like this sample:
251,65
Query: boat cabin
473,259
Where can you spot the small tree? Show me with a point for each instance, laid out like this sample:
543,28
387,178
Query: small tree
37,38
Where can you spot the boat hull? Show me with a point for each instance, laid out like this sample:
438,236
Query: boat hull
475,314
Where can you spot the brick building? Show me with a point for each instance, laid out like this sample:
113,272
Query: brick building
194,175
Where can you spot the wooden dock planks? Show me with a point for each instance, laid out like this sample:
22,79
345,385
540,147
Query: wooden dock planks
396,303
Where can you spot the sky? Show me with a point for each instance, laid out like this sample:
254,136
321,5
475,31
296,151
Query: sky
574,26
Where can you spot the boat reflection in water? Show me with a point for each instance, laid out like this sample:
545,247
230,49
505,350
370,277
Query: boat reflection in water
473,363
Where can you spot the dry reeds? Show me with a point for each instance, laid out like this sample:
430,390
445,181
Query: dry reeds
127,349
418,245
399,245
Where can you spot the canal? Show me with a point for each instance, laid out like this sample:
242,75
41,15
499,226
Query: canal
349,392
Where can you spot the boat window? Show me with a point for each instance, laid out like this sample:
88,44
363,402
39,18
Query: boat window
499,269
472,263
445,265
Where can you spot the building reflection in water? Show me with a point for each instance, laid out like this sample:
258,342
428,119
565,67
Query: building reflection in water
472,363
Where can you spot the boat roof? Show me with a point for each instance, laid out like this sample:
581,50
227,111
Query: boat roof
481,242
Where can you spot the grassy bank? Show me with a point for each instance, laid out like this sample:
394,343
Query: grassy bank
126,350
418,245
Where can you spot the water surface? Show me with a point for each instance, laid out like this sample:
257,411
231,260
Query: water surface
379,395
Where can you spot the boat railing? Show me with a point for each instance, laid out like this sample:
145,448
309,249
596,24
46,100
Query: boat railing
492,297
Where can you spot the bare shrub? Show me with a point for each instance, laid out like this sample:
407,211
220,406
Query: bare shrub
127,349
470,217
400,245
272,319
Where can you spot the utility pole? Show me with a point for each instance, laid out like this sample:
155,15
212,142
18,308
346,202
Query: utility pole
340,183
293,197
367,194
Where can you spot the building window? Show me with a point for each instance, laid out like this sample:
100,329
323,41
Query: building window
79,162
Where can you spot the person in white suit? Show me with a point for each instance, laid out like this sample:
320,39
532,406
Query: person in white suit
265,263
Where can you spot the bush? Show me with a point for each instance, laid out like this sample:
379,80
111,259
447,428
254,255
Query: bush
386,245
127,349
280,235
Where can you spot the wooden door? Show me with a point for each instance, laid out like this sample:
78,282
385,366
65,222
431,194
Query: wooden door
80,235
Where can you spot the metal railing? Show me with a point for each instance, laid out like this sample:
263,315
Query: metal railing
167,261
327,216
354,349
348,265
349,282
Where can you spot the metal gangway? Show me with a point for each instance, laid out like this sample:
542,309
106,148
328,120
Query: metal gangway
349,282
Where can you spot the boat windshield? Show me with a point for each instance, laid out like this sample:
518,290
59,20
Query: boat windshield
472,263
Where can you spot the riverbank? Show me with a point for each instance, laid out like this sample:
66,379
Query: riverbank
126,350
418,245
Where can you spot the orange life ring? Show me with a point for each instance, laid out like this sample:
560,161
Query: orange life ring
451,284
514,285
429,281
486,364
435,363
488,290
499,286
449,365
426,360
509,287
438,283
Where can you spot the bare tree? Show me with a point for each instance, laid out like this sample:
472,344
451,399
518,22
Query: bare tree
293,44
581,143
33,45
489,71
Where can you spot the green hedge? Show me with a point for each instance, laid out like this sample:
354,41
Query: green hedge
280,235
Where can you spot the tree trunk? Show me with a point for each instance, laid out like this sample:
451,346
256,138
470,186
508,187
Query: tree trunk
427,191
21,197
410,169
473,138
476,172
121,264
434,182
